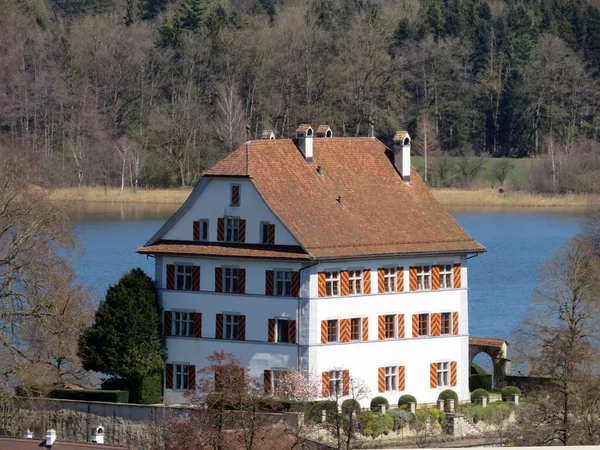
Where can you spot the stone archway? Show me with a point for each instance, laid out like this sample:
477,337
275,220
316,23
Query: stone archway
497,349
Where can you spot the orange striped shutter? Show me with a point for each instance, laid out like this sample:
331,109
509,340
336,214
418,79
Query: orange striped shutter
198,325
170,276
323,332
435,277
380,281
365,329
415,325
453,373
191,378
196,230
400,326
271,234
269,276
322,286
413,278
325,384
168,322
295,284
455,322
367,281
433,375
400,279
235,195
344,281
381,328
401,378
268,387
169,376
435,324
345,330
457,280
242,230
218,279
292,332
271,330
346,382
381,379
195,278
241,328
241,287
219,327
221,229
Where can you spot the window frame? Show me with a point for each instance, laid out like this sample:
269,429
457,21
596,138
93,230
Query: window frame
286,335
181,376
386,325
228,274
360,328
424,324
391,378
189,322
356,276
332,283
264,232
204,230
446,273
276,280
239,186
186,276
445,324
231,229
336,387
390,279
424,278
443,374
333,331
228,321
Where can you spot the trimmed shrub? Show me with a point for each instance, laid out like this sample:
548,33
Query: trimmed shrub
34,390
508,392
374,424
448,394
313,410
478,381
477,394
404,400
91,395
401,418
148,391
350,405
377,402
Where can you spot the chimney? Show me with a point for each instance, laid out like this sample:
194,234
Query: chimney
402,154
305,135
323,131
50,438
268,134
28,434
98,434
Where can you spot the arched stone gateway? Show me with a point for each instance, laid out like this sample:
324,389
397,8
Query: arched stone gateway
497,349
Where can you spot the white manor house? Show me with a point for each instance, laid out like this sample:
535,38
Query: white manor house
322,254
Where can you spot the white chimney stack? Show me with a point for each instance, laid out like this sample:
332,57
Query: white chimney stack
402,154
305,135
268,135
28,434
50,438
324,131
98,435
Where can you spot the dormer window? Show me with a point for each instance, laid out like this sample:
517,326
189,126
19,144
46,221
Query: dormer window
235,195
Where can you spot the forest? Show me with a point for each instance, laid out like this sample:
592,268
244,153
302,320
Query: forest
150,93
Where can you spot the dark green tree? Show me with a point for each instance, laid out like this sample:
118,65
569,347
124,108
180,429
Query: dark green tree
124,341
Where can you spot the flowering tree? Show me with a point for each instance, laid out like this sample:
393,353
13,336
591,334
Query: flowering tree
295,386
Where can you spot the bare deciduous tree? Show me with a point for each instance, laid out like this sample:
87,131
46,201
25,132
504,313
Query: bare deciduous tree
231,118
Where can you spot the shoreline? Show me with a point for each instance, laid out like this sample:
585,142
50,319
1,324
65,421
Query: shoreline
474,198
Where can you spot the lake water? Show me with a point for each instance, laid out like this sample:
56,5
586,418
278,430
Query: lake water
501,280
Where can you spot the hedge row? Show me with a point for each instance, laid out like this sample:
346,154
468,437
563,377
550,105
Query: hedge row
91,395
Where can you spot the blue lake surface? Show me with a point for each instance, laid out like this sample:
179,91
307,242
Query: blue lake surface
500,281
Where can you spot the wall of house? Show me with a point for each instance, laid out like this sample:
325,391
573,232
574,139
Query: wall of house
214,203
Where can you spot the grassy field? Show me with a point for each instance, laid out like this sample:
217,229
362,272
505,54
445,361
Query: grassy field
113,195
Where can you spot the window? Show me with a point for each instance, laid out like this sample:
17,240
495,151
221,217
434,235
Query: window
355,282
203,229
390,279
390,326
235,195
283,330
446,277
183,323
356,329
264,232
231,322
423,324
446,323
391,378
332,331
423,277
443,374
232,229
230,279
283,283
181,376
335,382
277,378
183,277
332,283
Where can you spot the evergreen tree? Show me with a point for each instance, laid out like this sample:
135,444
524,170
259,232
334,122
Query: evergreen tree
191,14
124,341
149,9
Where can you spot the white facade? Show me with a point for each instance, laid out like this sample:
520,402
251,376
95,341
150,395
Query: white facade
363,359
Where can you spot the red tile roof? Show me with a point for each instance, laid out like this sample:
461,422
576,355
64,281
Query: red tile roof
377,213
229,250
12,443
487,342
